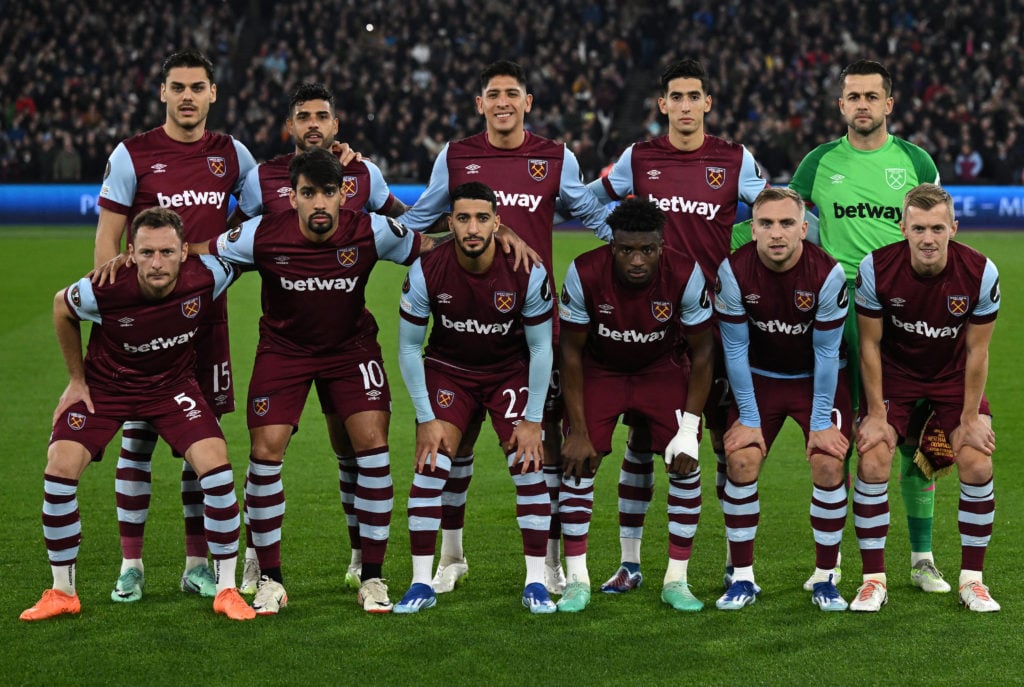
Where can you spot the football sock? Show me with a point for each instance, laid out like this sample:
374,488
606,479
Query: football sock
424,506
576,504
222,523
630,547
62,529
684,505
422,569
828,518
975,516
133,485
453,498
741,506
265,504
534,569
918,494
676,571
576,568
871,523
129,563
192,509
347,475
636,490
374,503
451,544
533,512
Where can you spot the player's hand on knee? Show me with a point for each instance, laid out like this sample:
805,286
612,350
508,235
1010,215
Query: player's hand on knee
829,441
682,451
977,433
740,436
527,441
874,431
430,438
578,455
75,391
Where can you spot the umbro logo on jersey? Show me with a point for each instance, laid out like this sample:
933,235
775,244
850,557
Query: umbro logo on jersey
897,302
159,168
472,168
126,321
281,259
837,178
444,298
653,174
752,298
373,395
284,191
605,308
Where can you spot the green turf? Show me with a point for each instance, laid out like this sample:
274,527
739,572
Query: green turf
479,634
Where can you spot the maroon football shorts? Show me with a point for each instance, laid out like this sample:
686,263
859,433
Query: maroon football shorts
778,399
656,394
346,384
213,366
946,398
179,414
458,395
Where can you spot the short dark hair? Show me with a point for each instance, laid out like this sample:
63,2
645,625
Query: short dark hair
189,57
867,67
687,68
320,167
157,217
309,90
474,190
637,215
503,68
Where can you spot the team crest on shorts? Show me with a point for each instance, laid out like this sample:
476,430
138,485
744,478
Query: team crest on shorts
538,169
803,300
190,308
662,310
504,301
715,176
218,165
76,296
445,398
349,186
348,256
957,305
261,405
76,421
896,177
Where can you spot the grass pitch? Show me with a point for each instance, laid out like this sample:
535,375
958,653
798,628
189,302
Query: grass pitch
478,634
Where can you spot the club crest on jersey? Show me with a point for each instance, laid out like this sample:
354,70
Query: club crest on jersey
803,300
261,405
190,308
504,301
957,305
76,296
538,169
234,234
218,165
896,177
445,398
76,421
715,176
348,256
349,186
662,310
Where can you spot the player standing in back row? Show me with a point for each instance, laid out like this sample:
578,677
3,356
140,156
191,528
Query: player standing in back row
528,173
697,180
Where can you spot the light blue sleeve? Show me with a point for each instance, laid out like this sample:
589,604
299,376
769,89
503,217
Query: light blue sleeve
575,310
251,199
620,177
416,301
410,362
826,375
87,308
580,201
833,297
538,293
224,274
237,245
121,183
695,306
394,241
379,189
988,297
866,296
752,181
246,163
538,338
435,199
736,346
813,231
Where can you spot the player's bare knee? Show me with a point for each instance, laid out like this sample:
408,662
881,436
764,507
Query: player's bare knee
269,443
207,454
827,471
67,459
973,466
744,465
875,464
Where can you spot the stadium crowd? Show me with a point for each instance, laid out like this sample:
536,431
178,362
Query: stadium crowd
405,74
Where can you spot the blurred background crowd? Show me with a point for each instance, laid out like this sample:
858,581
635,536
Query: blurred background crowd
79,76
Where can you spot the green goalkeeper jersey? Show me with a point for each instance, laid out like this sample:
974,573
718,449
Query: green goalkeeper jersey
859,194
